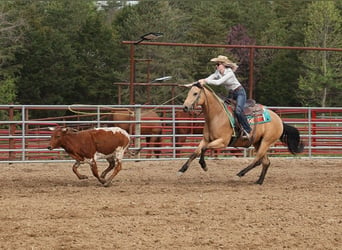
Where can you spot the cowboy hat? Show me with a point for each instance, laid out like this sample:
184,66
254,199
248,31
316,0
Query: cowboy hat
225,61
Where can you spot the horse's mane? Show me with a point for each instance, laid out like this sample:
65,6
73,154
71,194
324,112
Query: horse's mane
213,92
219,99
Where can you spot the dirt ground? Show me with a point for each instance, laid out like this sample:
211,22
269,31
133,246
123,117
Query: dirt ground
45,206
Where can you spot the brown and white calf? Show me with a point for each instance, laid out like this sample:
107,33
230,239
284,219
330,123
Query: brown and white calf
87,146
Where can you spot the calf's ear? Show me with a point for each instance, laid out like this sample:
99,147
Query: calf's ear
52,128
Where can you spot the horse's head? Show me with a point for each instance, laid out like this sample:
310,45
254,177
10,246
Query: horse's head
194,97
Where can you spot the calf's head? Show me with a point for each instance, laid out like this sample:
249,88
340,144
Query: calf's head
56,139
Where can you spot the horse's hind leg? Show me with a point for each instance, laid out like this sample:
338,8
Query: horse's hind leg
157,143
111,162
265,164
249,167
153,142
261,157
253,164
148,144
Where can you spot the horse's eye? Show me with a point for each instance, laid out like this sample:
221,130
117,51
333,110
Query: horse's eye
195,94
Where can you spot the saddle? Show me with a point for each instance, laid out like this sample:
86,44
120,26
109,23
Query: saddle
251,108
256,113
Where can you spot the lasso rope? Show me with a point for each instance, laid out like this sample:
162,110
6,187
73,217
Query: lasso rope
87,113
71,109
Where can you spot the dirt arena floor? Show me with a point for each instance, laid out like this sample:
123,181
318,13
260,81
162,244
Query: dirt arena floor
45,206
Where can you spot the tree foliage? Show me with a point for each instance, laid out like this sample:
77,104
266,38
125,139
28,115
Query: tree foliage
11,41
320,84
65,52
153,62
70,55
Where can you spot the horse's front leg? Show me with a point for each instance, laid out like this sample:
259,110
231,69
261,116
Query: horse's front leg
187,163
192,157
202,160
219,143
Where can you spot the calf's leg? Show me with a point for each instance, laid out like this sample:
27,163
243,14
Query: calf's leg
115,172
119,154
75,170
111,161
95,171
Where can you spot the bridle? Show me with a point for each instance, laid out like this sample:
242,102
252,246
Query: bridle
202,90
195,102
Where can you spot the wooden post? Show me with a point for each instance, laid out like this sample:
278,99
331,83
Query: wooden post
132,76
251,70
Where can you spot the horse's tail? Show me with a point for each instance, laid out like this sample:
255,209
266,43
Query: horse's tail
291,138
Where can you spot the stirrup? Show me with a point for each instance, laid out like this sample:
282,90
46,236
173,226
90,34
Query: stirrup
247,135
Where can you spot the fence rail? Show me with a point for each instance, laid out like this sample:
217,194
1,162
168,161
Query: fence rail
25,139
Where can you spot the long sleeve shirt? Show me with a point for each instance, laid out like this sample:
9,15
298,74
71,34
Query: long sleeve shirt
228,79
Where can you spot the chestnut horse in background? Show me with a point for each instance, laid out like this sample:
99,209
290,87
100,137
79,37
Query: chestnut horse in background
187,124
218,131
150,129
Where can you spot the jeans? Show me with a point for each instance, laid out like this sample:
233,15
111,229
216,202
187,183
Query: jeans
240,97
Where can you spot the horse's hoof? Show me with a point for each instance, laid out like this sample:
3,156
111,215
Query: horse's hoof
240,174
83,177
205,169
179,173
236,178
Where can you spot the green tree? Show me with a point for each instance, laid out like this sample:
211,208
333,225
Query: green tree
320,83
277,71
11,40
71,54
276,83
73,51
153,16
7,91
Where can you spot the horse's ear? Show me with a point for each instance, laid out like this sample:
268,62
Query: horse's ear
198,85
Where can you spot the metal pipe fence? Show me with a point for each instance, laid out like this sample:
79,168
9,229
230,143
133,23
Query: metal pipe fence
24,131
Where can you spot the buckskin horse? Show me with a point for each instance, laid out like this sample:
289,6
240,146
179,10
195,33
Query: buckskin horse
218,131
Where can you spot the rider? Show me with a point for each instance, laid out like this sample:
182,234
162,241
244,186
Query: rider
224,75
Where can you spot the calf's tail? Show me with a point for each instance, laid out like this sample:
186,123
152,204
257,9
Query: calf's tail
291,138
134,152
